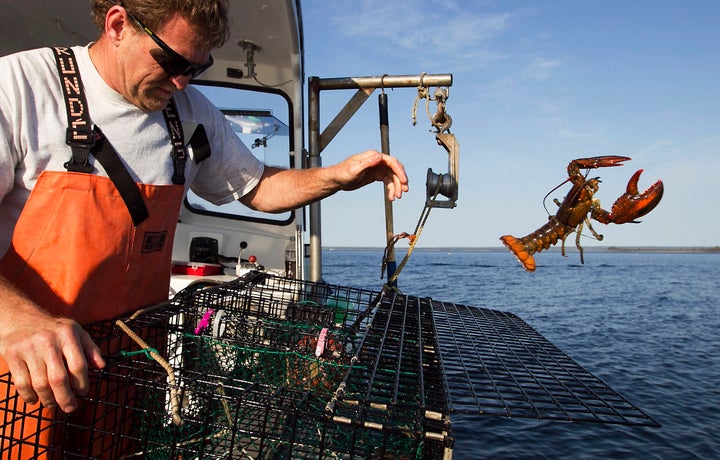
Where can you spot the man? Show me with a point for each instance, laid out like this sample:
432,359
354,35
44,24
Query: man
52,216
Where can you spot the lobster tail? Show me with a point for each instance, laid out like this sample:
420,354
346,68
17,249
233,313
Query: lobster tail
522,253
539,240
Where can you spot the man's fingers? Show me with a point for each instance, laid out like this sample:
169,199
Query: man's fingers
398,178
92,352
80,355
40,376
397,168
53,368
399,187
77,365
57,390
396,187
370,166
23,383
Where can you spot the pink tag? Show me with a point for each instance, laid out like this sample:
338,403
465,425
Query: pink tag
204,322
320,349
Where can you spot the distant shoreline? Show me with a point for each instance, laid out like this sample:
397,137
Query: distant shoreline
661,249
655,249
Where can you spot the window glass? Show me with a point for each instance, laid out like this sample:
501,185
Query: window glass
260,120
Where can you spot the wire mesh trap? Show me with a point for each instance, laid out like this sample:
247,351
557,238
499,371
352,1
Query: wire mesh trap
496,364
266,367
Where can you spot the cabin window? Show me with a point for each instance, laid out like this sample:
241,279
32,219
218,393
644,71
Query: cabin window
261,121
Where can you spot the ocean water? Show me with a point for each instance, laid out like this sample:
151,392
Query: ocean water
648,324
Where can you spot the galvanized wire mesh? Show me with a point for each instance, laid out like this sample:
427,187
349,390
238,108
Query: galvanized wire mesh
264,367
496,364
267,367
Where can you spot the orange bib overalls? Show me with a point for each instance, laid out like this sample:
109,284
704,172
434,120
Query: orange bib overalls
77,252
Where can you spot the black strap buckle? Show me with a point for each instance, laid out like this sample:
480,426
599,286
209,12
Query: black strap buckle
81,137
82,141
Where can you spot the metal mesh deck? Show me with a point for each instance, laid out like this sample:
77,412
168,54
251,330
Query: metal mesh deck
266,367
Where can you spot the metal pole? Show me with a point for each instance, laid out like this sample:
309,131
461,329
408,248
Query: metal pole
386,81
314,159
316,144
391,265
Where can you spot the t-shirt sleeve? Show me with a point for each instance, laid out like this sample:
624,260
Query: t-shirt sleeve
231,170
8,161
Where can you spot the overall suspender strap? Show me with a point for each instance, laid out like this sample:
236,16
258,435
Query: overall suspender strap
85,140
121,178
80,135
177,139
198,141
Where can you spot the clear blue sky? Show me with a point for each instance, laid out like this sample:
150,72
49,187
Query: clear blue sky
536,84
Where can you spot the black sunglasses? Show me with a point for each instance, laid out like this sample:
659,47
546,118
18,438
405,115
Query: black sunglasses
170,60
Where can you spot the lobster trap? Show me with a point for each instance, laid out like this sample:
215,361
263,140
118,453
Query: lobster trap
268,367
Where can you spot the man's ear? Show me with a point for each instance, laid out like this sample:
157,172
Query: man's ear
117,24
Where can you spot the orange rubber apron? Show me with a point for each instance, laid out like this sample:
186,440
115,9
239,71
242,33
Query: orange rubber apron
76,253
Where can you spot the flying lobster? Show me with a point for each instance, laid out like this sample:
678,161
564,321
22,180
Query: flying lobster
580,205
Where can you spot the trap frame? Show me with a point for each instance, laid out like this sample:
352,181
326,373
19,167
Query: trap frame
268,367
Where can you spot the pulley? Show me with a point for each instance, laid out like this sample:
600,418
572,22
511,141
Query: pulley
444,184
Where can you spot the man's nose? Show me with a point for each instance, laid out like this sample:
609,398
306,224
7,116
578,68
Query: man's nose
180,81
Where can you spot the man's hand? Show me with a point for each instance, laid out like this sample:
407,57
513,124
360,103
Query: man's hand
365,168
48,358
281,190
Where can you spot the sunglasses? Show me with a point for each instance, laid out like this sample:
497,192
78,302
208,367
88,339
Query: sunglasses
170,60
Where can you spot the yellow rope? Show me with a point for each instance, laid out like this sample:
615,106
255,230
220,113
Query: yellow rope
174,395
413,241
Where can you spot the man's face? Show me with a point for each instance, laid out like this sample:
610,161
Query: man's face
144,82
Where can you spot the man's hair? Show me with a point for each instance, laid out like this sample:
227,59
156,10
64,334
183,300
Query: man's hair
210,17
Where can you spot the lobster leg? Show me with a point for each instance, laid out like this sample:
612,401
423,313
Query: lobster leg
597,235
579,230
562,242
578,233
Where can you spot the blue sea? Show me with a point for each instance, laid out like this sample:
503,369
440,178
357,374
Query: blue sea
646,323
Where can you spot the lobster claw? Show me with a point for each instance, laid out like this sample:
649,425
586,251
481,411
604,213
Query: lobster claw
632,205
596,162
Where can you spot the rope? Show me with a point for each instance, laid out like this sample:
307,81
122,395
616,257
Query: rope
413,241
153,353
441,121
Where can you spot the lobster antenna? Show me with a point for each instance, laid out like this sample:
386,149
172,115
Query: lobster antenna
548,193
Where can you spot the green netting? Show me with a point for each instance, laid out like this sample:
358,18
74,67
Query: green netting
244,378
258,385
289,368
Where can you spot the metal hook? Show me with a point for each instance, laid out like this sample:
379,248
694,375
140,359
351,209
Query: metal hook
382,83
